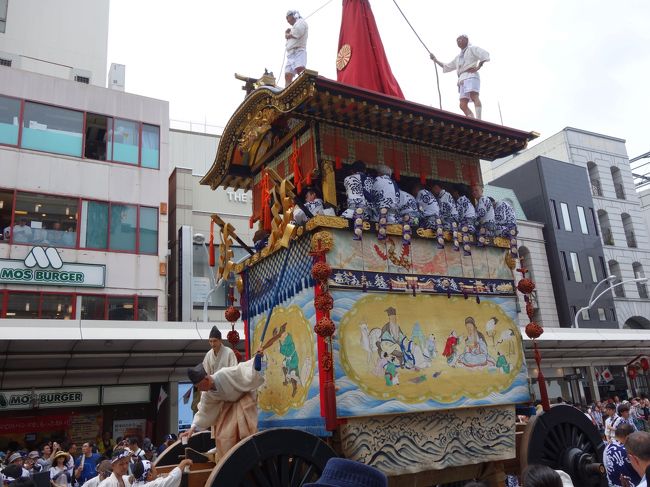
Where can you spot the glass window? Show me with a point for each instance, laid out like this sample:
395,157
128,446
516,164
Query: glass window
592,268
557,219
602,316
123,227
585,314
201,284
583,220
576,267
593,218
56,307
121,308
566,266
124,141
94,225
148,230
147,308
45,220
52,129
566,218
9,115
97,136
602,266
6,206
150,146
93,307
23,305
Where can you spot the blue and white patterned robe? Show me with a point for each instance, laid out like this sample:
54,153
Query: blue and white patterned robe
504,217
358,188
466,213
408,206
485,215
428,205
448,211
617,463
385,194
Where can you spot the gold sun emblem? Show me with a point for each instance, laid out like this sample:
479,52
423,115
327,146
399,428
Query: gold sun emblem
343,57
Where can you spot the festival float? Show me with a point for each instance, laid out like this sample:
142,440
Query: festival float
384,343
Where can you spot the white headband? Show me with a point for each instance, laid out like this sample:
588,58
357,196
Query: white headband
123,454
293,13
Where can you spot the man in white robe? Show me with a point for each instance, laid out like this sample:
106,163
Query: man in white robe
145,473
296,37
120,463
466,65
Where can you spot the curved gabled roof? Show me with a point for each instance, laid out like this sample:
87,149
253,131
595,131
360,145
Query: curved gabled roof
313,98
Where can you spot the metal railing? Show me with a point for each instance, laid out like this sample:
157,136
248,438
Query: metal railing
608,237
596,189
620,191
631,239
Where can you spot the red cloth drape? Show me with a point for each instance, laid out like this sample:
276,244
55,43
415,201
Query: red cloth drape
368,66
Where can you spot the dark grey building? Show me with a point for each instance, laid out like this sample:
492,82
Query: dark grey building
559,195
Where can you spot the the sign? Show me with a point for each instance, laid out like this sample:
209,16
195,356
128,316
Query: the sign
84,427
200,289
573,377
31,424
49,398
44,267
237,197
129,427
126,394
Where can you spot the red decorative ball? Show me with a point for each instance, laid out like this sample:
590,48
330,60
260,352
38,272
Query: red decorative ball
325,327
645,365
534,330
530,310
324,302
321,271
526,286
233,337
631,372
232,314
238,355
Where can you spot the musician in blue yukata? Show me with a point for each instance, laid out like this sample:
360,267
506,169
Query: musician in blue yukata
428,205
408,207
447,205
385,195
313,204
504,218
466,215
358,188
484,215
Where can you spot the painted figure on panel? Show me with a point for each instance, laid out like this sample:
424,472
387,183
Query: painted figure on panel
476,349
450,348
290,364
391,337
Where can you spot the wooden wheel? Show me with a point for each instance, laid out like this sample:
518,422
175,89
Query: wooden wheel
199,441
564,439
279,456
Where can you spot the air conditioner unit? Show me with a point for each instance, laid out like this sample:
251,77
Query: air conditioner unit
116,77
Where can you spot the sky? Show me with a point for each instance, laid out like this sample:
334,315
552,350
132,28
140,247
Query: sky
557,63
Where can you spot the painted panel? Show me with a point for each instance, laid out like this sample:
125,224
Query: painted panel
411,443
426,357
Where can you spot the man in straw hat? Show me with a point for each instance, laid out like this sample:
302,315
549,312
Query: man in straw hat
230,408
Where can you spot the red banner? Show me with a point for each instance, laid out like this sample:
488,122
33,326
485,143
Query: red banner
30,424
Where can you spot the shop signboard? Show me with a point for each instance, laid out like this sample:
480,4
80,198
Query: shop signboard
44,267
129,427
49,398
30,424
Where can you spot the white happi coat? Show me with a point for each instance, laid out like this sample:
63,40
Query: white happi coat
468,58
408,205
427,203
484,212
448,211
504,215
466,211
358,188
173,479
385,194
93,482
113,482
316,207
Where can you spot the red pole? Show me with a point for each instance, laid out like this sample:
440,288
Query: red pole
546,405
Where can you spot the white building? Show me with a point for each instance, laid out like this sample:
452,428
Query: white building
63,38
622,226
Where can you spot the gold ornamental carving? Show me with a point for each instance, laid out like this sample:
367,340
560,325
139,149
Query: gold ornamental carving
343,57
322,241
257,126
501,242
326,221
511,262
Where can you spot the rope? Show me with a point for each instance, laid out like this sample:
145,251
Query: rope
425,46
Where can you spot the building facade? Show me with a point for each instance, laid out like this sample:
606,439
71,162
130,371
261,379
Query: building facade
620,222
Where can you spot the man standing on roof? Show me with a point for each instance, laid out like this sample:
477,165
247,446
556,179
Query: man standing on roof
467,64
296,37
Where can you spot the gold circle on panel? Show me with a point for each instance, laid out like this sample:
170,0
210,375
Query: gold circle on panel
343,57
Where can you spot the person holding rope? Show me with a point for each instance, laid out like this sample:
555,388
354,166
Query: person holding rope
296,46
467,65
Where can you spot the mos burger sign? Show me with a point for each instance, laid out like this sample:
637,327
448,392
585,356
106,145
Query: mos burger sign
43,266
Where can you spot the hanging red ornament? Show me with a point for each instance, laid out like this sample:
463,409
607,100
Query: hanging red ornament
645,365
325,327
631,372
327,361
324,302
534,330
232,314
526,286
321,271
530,310
233,337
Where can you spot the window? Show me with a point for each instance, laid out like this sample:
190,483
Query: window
557,219
123,227
619,188
148,230
592,268
45,220
124,141
6,207
602,266
566,266
150,146
201,281
47,306
9,120
94,225
576,267
97,127
3,14
566,218
583,220
602,316
612,312
147,309
52,129
593,218
121,308
574,312
93,307
585,315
